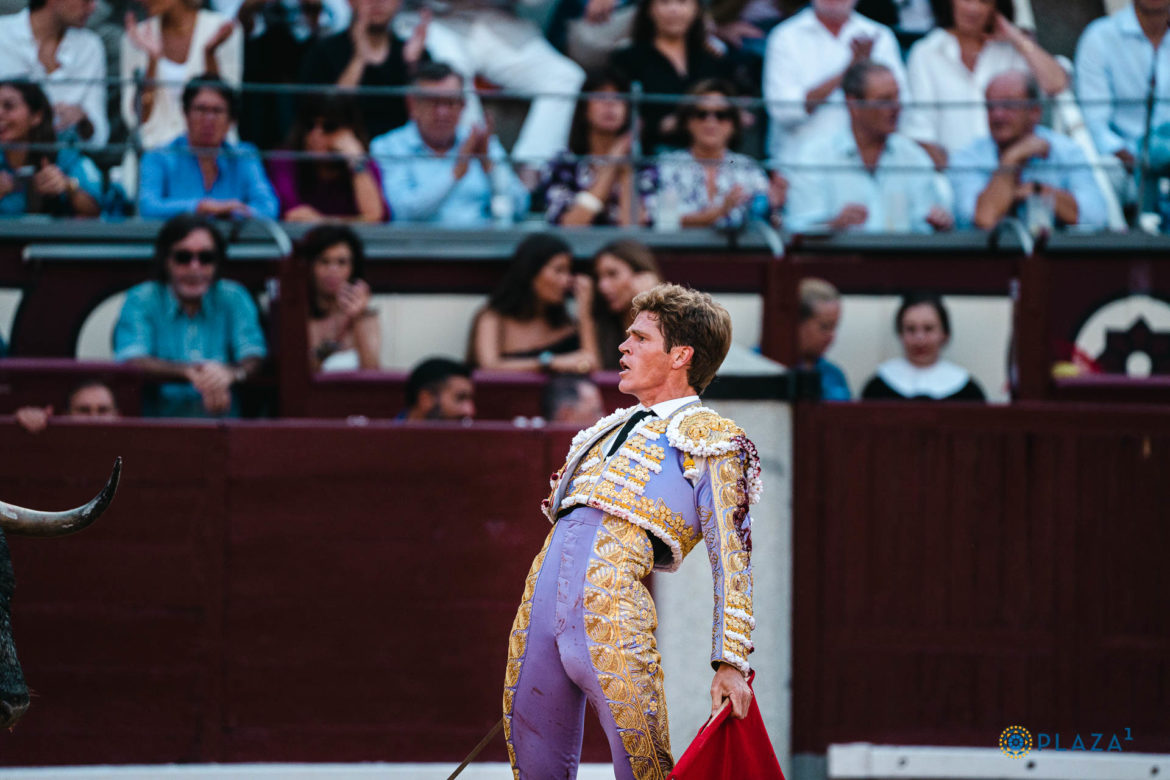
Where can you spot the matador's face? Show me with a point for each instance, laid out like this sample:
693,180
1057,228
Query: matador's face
646,366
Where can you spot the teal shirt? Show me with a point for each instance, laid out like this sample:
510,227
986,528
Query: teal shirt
73,164
153,324
834,386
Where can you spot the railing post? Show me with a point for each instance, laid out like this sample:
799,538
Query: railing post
635,150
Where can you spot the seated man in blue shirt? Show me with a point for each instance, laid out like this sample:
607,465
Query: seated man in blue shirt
197,333
867,176
436,172
820,313
996,174
203,172
1116,57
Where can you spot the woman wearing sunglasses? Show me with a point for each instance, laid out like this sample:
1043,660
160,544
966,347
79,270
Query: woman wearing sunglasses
330,173
712,184
193,333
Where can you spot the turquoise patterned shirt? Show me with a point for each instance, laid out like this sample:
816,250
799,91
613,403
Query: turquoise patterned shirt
153,324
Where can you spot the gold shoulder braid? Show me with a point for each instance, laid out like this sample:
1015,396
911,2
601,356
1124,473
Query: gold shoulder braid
702,433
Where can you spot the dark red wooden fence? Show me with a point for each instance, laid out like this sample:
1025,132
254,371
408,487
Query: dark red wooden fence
272,592
960,570
317,591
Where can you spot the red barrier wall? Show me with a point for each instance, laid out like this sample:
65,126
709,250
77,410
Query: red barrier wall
314,591
257,592
959,570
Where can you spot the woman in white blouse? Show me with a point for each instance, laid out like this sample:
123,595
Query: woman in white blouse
707,182
975,41
177,42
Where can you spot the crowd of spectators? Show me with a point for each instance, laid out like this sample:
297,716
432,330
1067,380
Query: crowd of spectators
878,116
197,338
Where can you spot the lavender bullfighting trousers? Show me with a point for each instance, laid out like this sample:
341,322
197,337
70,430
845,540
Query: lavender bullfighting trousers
585,631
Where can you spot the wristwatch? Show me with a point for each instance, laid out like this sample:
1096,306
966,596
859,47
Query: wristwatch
546,359
239,375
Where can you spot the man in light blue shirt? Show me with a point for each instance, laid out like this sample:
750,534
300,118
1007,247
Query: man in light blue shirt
435,172
1116,59
867,177
202,172
196,334
996,175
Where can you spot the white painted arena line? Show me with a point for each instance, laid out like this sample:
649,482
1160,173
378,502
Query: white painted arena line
367,771
863,760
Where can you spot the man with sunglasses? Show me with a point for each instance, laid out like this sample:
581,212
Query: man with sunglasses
194,333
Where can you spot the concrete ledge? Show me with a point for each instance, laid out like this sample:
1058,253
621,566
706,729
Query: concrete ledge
863,760
382,771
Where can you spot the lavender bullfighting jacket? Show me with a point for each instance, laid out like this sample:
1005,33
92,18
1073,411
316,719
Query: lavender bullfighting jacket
688,477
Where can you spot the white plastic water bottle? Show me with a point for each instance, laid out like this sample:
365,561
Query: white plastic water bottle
667,218
502,207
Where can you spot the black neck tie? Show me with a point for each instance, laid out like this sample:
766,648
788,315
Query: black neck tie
635,418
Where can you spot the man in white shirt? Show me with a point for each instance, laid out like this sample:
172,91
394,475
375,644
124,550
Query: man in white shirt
804,63
489,38
46,43
867,176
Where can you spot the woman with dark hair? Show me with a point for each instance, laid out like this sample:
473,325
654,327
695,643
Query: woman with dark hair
339,180
344,333
526,325
950,68
710,183
924,327
623,269
35,178
197,335
668,55
594,183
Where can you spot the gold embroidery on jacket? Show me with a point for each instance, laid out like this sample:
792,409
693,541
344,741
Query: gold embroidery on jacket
726,472
616,486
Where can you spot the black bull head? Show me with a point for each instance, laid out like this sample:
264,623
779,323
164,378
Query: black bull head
29,522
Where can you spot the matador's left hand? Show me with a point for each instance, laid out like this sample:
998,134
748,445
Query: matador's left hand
729,683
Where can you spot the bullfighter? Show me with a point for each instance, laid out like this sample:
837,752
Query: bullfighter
638,491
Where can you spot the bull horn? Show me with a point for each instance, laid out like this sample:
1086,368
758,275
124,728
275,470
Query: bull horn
30,522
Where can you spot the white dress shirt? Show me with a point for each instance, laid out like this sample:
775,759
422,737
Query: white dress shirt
664,409
898,195
1115,61
79,79
950,108
801,54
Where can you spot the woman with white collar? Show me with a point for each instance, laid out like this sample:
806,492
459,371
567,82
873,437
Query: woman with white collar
924,327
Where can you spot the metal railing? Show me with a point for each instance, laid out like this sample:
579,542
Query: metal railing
1147,182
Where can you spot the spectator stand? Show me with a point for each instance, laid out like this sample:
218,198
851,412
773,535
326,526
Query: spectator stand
61,273
406,262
